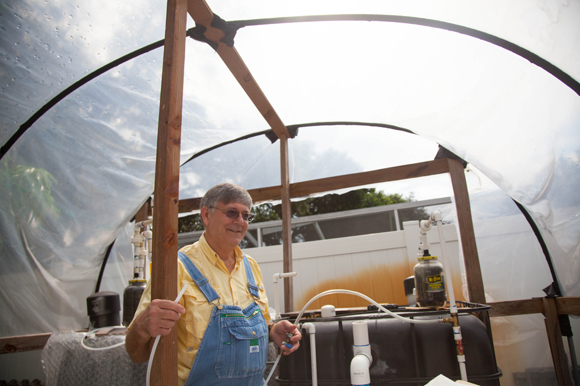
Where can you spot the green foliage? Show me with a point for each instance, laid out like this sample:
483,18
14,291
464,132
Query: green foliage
355,199
190,223
329,203
28,192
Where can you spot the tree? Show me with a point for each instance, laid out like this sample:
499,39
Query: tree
329,203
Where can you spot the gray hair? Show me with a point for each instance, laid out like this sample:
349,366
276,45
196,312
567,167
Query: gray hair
226,193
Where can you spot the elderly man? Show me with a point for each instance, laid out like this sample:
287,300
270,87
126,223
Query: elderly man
223,324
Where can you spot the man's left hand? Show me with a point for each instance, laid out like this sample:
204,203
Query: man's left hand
278,334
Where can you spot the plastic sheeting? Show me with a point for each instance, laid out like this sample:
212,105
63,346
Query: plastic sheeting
73,181
78,358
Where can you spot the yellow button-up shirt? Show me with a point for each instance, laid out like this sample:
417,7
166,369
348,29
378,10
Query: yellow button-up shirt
232,289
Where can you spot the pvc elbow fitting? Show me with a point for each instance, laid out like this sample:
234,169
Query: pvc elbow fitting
359,370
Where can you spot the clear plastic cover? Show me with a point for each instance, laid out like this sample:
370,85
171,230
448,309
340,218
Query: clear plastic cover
78,358
72,182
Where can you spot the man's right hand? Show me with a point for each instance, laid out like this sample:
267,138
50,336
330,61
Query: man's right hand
157,319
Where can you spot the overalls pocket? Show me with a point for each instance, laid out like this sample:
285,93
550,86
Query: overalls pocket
243,345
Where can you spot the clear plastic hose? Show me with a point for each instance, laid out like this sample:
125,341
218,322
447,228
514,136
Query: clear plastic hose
99,348
349,292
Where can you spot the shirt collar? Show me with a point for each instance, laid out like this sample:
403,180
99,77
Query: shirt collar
212,256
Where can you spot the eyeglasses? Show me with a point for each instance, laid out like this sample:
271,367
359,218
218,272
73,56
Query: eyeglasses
234,214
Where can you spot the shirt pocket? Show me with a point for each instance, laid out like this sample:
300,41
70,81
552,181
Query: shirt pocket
262,300
196,318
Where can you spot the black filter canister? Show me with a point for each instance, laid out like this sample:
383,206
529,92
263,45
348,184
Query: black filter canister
104,309
131,298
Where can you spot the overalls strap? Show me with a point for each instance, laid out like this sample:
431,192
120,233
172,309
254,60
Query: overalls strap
252,287
200,280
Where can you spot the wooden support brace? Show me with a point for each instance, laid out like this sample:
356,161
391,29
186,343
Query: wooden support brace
164,264
465,223
304,189
556,345
23,343
203,15
286,225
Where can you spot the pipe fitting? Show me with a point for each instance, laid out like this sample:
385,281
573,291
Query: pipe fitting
359,370
311,328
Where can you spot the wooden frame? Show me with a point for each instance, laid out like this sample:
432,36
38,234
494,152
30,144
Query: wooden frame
564,306
167,203
164,271
422,169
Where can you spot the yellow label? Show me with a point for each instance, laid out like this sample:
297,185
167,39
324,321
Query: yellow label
433,279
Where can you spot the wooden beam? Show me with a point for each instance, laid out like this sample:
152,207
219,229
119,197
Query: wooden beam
286,225
568,305
203,15
144,212
516,307
164,264
556,345
465,223
564,306
304,189
22,343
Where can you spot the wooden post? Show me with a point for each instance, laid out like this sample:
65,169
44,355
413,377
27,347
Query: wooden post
164,275
468,244
286,225
556,345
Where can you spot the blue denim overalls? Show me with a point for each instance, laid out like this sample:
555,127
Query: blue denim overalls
234,347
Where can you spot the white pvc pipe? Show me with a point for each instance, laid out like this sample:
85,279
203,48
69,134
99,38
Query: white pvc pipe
360,336
462,368
149,245
448,278
275,281
449,282
144,223
362,359
312,331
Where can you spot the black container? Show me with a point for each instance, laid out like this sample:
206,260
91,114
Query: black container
403,353
104,309
409,284
131,298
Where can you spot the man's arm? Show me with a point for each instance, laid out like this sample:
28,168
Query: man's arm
157,319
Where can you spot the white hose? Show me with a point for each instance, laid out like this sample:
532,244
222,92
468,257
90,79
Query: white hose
273,367
148,379
349,292
99,348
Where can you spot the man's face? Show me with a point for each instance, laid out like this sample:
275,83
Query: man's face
219,227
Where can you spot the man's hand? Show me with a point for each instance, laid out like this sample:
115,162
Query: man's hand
285,332
157,319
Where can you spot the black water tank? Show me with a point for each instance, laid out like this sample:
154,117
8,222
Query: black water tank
403,353
131,298
104,309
